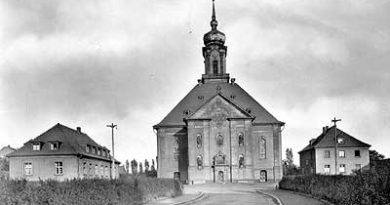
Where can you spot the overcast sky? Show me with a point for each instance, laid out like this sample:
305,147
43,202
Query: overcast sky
92,62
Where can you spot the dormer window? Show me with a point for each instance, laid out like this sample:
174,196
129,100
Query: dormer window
99,151
104,152
93,150
37,146
54,145
88,148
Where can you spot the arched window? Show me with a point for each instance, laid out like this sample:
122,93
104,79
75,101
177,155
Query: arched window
240,139
199,140
241,161
263,147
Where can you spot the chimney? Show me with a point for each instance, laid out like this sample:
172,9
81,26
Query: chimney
199,81
233,80
324,129
78,129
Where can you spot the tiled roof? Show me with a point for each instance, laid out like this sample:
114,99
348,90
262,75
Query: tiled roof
326,139
201,93
72,142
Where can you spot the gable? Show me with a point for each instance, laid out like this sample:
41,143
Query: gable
218,107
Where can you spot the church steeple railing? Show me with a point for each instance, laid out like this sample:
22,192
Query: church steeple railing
214,53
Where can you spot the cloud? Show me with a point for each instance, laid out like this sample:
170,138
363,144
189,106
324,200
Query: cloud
91,62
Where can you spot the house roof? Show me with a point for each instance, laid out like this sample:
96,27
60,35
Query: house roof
72,142
326,139
6,150
202,93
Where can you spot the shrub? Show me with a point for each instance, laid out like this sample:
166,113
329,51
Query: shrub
368,187
131,190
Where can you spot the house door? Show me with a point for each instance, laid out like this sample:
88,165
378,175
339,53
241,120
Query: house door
221,177
263,176
176,175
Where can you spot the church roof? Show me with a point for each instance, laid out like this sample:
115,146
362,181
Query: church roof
202,93
72,142
326,139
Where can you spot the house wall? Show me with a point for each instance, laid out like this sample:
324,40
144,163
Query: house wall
43,167
94,168
307,161
350,160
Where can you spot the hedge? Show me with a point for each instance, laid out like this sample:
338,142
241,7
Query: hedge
368,187
131,190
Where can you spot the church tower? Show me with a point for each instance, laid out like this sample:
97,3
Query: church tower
218,133
214,53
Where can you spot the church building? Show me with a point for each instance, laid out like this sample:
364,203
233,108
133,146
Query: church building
218,132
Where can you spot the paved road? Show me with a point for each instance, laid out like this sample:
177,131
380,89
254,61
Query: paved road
237,199
238,194
230,194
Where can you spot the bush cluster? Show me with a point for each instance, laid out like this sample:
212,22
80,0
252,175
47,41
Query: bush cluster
368,187
131,190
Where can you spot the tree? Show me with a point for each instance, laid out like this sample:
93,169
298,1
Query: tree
375,156
289,157
141,169
134,166
153,168
289,168
4,165
127,166
152,172
146,164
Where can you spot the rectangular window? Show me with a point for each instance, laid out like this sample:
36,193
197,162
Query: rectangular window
37,147
327,154
85,169
327,168
307,162
357,153
93,150
342,168
342,154
59,168
358,166
96,170
54,146
104,152
99,151
28,168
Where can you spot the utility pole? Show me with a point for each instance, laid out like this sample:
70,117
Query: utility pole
335,143
112,126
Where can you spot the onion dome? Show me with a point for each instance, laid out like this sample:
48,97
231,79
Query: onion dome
214,36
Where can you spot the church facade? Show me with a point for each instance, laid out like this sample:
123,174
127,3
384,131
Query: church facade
218,132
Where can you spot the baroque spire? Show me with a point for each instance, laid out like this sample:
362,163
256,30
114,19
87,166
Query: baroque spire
214,22
214,53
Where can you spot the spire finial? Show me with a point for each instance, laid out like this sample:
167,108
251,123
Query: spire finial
214,22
